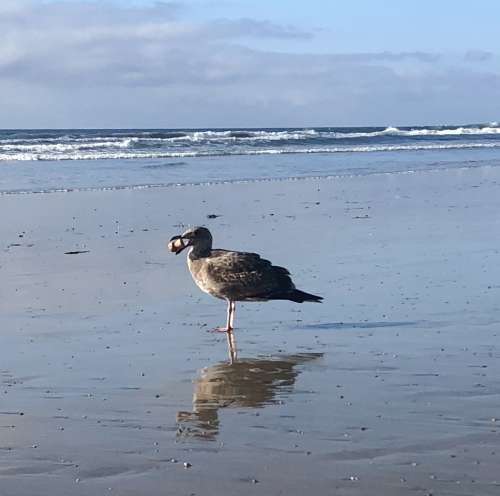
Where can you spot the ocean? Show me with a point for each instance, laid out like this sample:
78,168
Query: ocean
44,161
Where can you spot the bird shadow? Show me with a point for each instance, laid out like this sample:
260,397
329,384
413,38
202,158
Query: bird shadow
360,325
242,383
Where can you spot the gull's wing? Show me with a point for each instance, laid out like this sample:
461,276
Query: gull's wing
241,275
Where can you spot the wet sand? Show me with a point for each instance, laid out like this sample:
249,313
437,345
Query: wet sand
111,384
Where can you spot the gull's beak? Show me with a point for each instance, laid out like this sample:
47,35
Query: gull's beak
178,244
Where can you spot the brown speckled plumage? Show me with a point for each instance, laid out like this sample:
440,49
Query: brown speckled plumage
239,276
236,276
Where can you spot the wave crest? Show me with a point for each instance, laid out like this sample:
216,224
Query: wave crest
145,144
108,155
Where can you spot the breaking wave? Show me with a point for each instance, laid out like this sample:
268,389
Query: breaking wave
75,159
76,153
415,132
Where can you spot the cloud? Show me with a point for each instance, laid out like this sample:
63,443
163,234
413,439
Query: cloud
102,44
105,65
478,56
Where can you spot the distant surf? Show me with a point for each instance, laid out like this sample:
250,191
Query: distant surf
140,144
136,157
76,153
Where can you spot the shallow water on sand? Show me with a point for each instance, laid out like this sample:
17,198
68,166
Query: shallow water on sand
111,382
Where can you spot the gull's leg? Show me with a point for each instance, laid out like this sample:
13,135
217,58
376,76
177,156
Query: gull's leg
229,326
231,344
233,311
230,310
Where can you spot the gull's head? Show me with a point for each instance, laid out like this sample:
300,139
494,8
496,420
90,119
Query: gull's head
197,237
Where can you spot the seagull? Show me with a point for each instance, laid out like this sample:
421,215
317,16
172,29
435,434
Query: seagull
235,275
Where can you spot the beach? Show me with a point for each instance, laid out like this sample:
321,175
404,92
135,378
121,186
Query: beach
112,384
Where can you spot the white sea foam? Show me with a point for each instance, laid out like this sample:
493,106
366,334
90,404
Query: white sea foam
192,140
236,136
394,131
460,131
304,134
112,154
39,148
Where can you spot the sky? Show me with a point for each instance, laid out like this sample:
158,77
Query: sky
247,63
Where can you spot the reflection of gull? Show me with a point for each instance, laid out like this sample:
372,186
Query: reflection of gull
234,275
246,383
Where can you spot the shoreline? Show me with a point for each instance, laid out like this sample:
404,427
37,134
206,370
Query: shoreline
327,177
389,387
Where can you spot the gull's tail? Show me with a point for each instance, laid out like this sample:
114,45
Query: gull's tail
297,296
